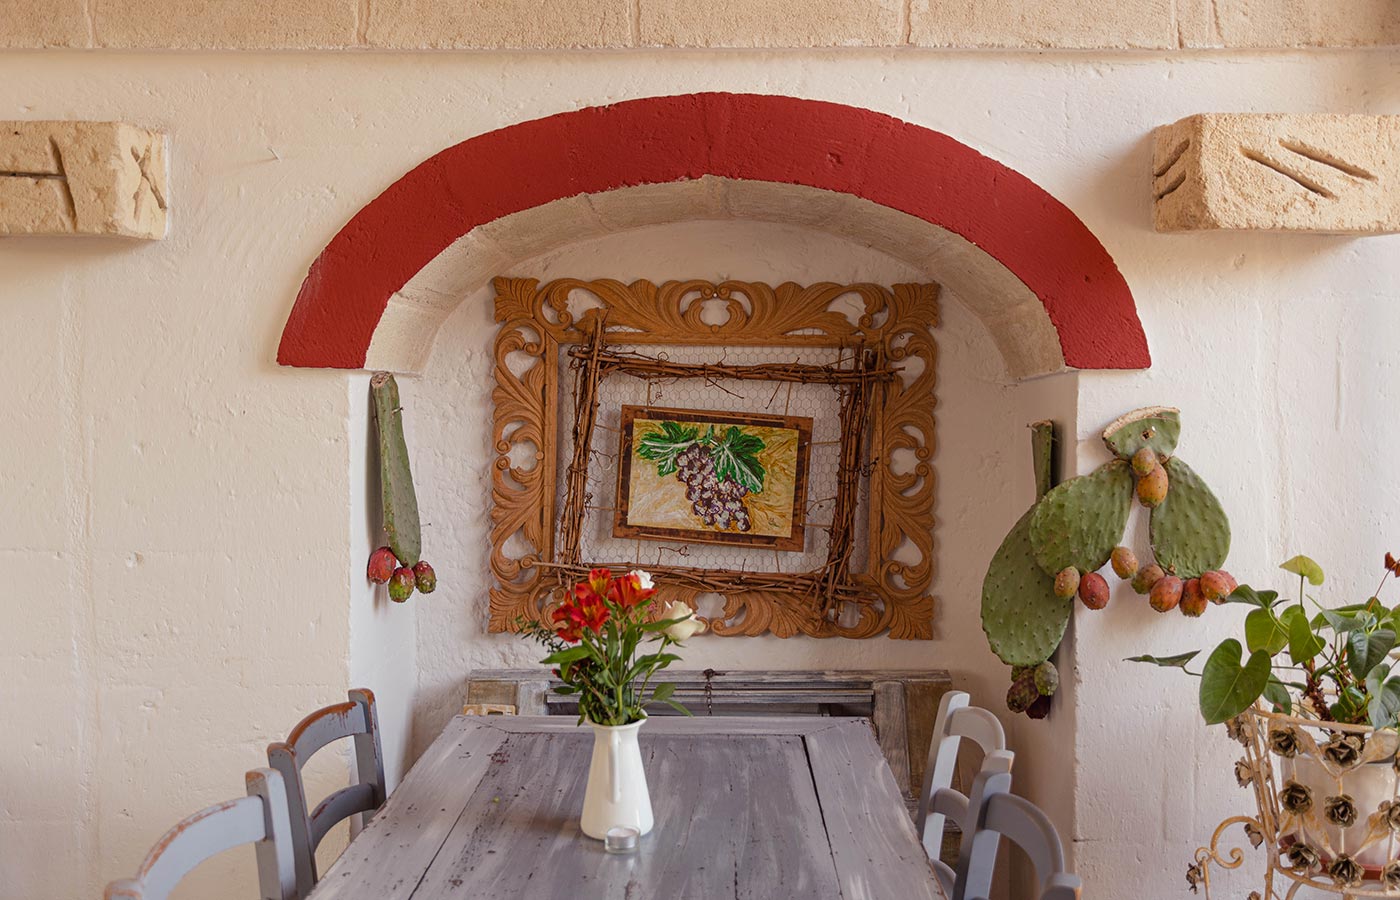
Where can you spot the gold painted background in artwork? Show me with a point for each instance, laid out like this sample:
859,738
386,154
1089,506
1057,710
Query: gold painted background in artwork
657,501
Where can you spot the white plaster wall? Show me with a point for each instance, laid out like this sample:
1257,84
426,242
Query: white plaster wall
178,527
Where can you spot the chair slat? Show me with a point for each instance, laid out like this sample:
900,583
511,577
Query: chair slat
957,720
356,719
260,818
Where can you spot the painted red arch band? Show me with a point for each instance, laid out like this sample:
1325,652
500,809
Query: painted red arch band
739,136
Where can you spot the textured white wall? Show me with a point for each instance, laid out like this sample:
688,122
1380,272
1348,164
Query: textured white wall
178,518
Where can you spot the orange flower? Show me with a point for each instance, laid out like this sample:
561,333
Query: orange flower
586,609
598,584
630,590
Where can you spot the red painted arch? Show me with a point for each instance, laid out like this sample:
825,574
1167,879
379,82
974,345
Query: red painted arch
740,136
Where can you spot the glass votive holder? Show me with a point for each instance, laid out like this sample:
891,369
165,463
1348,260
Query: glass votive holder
621,839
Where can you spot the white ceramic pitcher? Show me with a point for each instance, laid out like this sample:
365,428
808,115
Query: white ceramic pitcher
617,786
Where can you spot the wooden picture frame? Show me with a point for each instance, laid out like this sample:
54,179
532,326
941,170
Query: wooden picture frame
884,337
792,537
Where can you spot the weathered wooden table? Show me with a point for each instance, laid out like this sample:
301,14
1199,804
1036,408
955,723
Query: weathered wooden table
762,808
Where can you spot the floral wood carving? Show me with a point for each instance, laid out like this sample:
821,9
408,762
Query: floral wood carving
854,599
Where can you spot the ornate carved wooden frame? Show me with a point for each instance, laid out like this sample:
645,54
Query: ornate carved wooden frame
888,595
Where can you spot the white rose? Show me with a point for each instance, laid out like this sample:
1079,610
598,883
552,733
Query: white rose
644,580
688,627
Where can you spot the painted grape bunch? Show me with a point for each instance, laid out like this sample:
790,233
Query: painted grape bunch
718,470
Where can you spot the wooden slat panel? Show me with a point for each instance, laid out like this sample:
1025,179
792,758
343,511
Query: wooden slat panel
385,861
872,839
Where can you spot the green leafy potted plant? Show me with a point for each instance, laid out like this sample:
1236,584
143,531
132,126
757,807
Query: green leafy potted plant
1316,703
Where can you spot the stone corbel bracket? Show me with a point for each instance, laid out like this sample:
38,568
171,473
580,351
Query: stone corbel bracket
1331,174
105,178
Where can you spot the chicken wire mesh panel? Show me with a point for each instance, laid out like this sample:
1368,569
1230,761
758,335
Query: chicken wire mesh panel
819,402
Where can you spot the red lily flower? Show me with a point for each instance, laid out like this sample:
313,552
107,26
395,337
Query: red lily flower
627,591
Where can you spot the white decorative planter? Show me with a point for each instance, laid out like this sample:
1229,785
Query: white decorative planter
1328,808
617,785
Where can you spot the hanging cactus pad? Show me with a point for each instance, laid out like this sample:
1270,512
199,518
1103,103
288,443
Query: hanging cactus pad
1158,427
1080,522
1021,615
1190,533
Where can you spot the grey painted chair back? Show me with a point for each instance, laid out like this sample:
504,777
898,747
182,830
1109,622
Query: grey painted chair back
957,720
356,719
259,818
993,812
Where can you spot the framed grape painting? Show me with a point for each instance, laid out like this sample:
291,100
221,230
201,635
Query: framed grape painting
764,451
724,478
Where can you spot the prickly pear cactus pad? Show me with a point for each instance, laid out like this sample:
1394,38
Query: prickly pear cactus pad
1080,522
400,500
1158,427
1190,533
1021,615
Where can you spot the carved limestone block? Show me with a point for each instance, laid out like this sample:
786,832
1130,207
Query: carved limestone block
1274,172
106,178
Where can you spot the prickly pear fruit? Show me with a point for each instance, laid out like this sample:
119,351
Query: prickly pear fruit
1145,460
401,584
424,578
1152,487
1166,593
381,565
1066,582
1193,601
1217,585
1022,693
1040,708
1125,564
1093,591
1146,577
1047,678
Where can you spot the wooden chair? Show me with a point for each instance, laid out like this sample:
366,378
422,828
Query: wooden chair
355,719
993,812
259,818
956,720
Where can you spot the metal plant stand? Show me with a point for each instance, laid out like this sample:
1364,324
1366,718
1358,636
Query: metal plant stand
1328,810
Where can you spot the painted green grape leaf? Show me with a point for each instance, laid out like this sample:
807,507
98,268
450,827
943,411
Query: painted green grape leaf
664,446
1227,688
736,459
1302,565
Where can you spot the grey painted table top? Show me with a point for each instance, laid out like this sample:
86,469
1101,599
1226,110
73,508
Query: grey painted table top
761,808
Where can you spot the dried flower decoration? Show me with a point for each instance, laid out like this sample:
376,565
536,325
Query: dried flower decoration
1340,810
1237,729
1346,871
1389,813
1392,565
1255,835
1244,772
1284,742
1390,876
1344,750
1254,895
1302,856
1195,875
1295,798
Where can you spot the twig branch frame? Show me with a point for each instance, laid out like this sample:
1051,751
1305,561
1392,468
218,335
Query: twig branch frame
894,330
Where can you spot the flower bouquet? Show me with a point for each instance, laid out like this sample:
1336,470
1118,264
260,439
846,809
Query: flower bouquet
607,650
